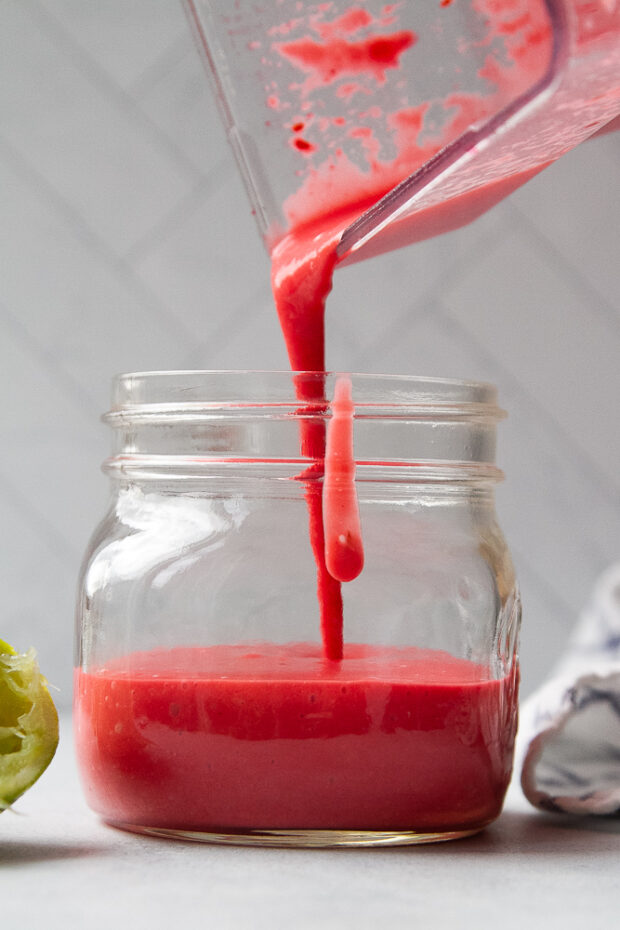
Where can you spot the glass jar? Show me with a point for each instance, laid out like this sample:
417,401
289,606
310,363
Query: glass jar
207,702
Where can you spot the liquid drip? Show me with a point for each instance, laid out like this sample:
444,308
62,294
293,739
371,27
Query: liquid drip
344,550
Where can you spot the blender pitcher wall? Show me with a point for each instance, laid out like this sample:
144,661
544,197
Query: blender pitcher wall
127,244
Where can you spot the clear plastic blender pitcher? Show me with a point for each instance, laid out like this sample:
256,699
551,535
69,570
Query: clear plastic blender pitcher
412,118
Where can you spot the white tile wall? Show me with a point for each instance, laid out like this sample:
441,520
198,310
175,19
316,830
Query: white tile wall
121,212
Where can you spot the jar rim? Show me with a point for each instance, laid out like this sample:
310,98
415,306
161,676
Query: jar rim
188,421
175,392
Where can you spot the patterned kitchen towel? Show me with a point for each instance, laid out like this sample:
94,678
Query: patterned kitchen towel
569,732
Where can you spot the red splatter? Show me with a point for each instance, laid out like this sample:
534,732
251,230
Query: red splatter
349,22
374,112
410,120
285,28
384,50
515,25
347,90
304,146
328,61
388,14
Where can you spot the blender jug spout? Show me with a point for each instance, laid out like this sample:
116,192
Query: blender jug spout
401,122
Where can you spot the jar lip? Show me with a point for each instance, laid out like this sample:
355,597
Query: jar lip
178,392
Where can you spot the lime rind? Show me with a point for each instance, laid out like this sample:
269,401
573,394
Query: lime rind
28,723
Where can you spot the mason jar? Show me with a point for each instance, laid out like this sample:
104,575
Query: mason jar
228,688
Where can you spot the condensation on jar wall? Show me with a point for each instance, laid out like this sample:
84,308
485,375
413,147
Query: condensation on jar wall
206,702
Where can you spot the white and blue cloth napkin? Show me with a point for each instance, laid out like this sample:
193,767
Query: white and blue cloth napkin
569,731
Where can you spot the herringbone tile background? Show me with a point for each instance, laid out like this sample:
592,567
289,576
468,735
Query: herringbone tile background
121,222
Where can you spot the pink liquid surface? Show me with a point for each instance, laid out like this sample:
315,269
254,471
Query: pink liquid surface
265,736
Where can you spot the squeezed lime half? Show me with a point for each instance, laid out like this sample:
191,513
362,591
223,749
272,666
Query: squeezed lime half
28,723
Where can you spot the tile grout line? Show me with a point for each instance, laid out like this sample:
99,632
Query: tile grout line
425,302
586,465
56,540
184,208
568,271
159,69
227,328
90,239
100,78
46,360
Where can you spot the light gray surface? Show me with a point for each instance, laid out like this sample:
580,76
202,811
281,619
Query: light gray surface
60,868
127,243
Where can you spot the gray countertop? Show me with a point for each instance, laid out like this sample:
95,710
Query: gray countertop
60,867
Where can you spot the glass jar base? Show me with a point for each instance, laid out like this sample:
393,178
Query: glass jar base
303,839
